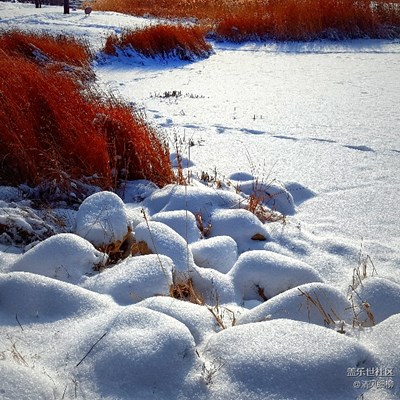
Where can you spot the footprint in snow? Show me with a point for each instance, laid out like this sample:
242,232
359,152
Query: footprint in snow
285,137
360,148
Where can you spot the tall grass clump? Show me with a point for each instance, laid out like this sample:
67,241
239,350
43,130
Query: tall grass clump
163,41
242,20
57,128
63,49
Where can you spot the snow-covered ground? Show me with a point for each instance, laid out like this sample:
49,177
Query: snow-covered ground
314,125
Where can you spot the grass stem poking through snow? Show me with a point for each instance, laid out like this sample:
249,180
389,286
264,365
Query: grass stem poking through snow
90,350
153,242
314,301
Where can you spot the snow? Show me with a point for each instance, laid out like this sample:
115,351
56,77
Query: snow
263,271
161,239
134,279
102,219
144,354
241,225
196,318
284,359
383,295
65,256
218,252
182,222
316,303
27,295
311,130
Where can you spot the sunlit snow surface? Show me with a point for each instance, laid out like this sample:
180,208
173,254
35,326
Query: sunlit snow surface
314,125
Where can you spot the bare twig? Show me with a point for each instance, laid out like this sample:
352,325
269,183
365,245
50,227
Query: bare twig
98,340
16,317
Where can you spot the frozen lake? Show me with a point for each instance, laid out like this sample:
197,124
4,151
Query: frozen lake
322,114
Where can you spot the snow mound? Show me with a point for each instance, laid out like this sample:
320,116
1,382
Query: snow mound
241,225
218,252
102,219
382,295
317,303
214,287
40,299
144,354
197,318
274,195
135,214
22,382
134,279
383,339
261,274
66,257
161,239
198,199
182,222
283,359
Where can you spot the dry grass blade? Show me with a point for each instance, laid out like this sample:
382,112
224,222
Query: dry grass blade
358,308
184,290
316,303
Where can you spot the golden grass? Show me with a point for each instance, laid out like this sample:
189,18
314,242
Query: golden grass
164,41
274,19
55,127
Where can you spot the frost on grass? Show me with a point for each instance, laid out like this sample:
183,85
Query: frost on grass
134,279
284,358
102,219
21,226
66,257
261,274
